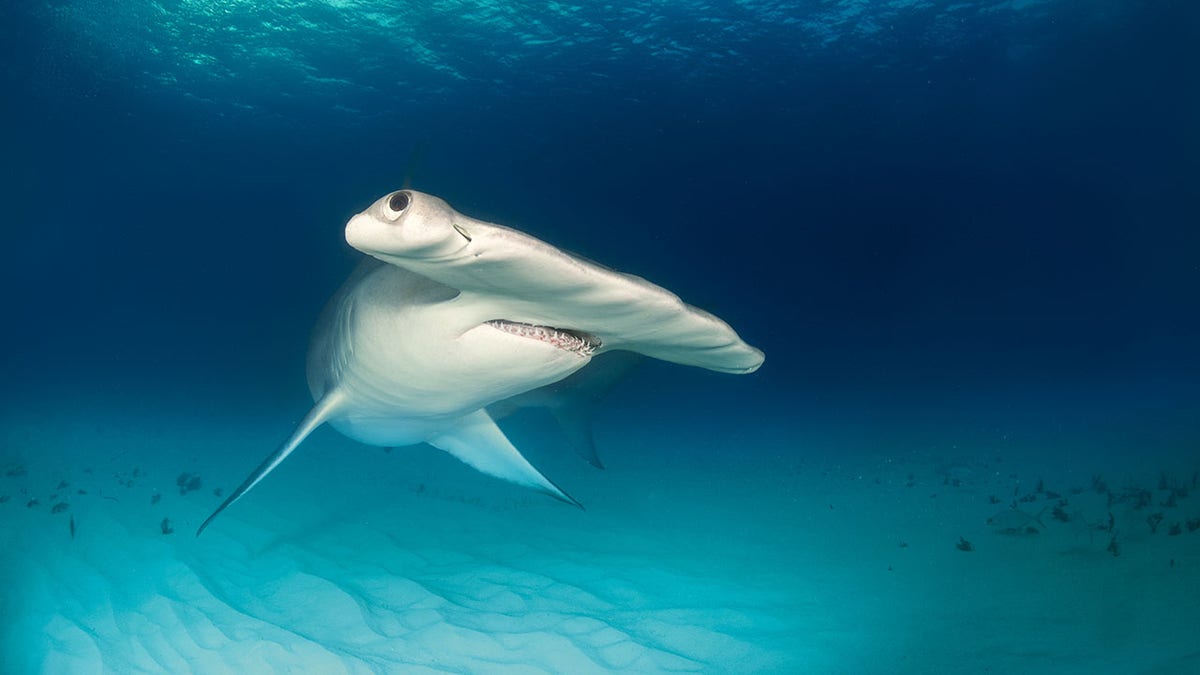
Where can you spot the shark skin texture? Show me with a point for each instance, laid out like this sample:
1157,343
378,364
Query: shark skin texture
448,316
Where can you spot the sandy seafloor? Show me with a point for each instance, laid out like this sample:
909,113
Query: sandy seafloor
963,233
719,539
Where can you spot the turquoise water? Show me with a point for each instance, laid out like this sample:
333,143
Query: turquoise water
961,233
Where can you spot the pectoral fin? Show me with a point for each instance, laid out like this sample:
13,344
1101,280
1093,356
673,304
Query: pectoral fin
479,443
320,412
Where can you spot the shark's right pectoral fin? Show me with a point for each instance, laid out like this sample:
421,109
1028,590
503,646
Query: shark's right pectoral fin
479,443
322,411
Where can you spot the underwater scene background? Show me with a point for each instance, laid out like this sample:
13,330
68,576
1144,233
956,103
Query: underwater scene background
963,234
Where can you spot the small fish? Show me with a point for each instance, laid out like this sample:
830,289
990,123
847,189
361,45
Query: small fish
16,471
60,507
81,491
62,484
217,492
964,545
72,527
32,503
4,498
1016,521
155,498
1153,520
165,525
188,482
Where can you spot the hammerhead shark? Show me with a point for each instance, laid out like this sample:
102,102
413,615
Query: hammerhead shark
448,316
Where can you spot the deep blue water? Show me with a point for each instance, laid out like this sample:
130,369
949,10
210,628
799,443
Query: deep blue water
939,220
942,194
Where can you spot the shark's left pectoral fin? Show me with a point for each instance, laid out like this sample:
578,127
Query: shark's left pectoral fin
479,443
322,411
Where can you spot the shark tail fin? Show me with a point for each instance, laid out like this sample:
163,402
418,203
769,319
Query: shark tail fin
578,395
479,443
320,412
575,421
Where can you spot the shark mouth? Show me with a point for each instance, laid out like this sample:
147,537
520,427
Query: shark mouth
575,341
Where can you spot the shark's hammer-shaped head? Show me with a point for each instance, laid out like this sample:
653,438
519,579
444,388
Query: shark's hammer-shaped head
497,325
407,225
515,283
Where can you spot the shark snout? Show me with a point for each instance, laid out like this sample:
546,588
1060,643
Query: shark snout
358,231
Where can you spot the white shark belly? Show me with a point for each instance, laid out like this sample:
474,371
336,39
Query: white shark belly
388,431
397,348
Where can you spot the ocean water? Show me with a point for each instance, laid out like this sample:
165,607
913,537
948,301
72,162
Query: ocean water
962,233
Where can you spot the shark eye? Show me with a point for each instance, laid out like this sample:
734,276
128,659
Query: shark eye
399,201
